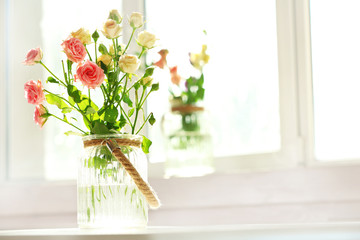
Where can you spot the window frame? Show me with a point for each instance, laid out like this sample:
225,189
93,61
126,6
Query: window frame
294,55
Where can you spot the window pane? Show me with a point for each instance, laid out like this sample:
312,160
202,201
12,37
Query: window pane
241,79
336,78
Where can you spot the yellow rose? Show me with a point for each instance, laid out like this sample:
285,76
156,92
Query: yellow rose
83,35
198,60
129,63
112,51
105,59
146,39
111,29
136,20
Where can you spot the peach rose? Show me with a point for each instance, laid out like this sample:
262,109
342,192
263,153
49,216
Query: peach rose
90,74
175,77
34,92
162,62
33,56
129,63
74,50
40,110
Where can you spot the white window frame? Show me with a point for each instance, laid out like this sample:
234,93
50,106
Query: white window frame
193,196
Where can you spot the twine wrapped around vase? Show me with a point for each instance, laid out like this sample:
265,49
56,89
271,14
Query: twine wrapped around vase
113,145
186,108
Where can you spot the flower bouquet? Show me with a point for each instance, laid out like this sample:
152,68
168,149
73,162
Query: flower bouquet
112,187
187,127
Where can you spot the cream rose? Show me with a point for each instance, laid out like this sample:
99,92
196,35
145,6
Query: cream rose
146,39
147,81
129,63
136,20
83,35
111,29
115,15
106,59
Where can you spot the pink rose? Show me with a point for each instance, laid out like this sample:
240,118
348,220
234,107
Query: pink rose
74,50
33,56
90,74
162,62
175,77
39,110
34,92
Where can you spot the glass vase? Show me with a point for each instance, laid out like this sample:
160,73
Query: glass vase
188,142
107,196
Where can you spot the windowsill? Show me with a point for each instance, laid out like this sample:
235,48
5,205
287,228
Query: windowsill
299,195
344,231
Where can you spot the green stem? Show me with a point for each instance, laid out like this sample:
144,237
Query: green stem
51,73
143,124
95,53
88,53
67,123
132,34
142,52
135,120
121,108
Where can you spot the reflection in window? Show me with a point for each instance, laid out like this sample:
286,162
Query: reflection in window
241,79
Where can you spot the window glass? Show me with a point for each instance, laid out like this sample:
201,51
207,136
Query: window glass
336,78
241,79
59,20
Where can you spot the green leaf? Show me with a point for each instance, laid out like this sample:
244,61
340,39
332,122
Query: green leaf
145,145
45,115
200,93
99,128
137,85
56,100
127,100
155,87
74,93
69,133
112,77
152,119
122,121
103,67
89,110
111,115
95,36
66,110
149,72
52,80
103,49
131,112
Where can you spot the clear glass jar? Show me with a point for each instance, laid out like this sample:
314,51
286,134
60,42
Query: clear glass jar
107,196
188,142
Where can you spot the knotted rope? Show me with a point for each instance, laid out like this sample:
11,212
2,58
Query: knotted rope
113,145
186,108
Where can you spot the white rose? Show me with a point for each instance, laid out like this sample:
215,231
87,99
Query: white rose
129,63
111,29
146,39
115,15
136,20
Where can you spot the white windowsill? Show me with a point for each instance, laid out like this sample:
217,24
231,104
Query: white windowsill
344,231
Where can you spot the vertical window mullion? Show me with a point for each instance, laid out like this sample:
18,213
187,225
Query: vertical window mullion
288,83
3,100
